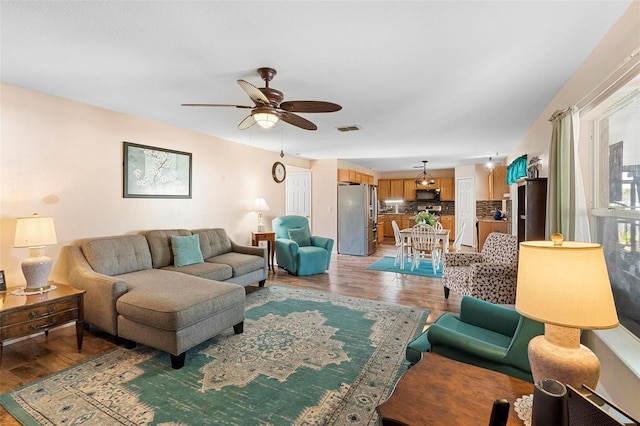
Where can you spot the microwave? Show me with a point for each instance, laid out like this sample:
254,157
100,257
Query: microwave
428,195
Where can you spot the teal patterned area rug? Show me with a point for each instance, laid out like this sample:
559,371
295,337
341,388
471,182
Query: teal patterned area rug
305,358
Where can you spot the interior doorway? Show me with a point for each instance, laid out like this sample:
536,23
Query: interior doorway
466,209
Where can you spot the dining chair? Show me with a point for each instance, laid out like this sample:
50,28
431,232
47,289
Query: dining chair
424,244
457,243
438,226
399,245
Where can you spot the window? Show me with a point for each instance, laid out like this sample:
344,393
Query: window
615,213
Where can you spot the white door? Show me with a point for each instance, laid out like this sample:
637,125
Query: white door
299,194
466,209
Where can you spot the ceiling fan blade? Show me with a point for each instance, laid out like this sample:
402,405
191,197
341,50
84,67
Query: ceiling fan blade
310,106
246,123
218,105
254,93
297,121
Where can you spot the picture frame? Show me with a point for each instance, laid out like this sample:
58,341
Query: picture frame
152,172
3,283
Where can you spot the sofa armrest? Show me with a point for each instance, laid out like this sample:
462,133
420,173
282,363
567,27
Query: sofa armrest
486,269
101,291
461,259
287,254
489,316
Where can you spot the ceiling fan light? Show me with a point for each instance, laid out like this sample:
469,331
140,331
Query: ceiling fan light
265,120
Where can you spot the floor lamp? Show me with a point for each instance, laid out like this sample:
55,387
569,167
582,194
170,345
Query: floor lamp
565,285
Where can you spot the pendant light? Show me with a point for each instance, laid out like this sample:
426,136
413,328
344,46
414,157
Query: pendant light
424,179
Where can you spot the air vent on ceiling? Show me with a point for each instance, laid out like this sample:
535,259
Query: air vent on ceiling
352,128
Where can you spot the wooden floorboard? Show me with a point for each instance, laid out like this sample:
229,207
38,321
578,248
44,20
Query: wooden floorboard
39,356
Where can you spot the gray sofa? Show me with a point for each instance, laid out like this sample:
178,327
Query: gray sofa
135,292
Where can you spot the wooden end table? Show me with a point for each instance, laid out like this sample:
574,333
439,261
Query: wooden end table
270,238
22,316
439,391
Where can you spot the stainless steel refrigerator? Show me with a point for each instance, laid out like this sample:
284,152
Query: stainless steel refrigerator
357,219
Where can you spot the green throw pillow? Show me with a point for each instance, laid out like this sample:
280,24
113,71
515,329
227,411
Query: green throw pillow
300,236
186,250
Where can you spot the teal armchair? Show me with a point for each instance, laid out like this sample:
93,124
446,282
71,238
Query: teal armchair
297,251
486,335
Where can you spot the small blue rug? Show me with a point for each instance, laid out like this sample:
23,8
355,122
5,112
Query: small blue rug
425,268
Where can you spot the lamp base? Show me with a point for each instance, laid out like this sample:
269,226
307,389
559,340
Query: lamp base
559,355
36,272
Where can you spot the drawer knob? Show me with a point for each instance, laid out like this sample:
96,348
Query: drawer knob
44,326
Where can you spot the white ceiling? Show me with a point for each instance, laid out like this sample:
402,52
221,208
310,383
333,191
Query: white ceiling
451,82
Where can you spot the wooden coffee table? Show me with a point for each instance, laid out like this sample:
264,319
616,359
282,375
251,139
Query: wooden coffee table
439,391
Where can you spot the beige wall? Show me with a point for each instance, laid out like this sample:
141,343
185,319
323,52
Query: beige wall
64,159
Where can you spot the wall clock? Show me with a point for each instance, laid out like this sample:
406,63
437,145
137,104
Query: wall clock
278,172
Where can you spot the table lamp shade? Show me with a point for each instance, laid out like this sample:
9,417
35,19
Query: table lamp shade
565,285
35,231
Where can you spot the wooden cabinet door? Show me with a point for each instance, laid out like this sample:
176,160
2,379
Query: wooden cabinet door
397,189
447,189
384,189
343,175
409,190
498,183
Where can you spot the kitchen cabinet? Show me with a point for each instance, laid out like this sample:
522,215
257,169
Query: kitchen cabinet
498,183
485,227
409,189
532,207
397,189
403,221
449,222
354,176
384,189
447,189
434,185
381,225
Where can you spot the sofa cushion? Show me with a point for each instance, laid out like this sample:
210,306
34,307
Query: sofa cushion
172,301
210,271
240,263
186,250
300,236
117,255
213,242
160,245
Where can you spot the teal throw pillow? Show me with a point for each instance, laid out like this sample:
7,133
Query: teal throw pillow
186,250
300,236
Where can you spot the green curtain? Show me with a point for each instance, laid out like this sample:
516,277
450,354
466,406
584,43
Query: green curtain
517,169
561,197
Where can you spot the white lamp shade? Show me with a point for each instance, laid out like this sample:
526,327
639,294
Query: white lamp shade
265,119
35,231
566,285
260,205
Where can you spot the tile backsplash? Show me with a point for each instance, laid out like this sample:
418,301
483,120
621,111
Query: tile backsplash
486,208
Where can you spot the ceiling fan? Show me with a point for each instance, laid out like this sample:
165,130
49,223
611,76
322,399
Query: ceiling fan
269,108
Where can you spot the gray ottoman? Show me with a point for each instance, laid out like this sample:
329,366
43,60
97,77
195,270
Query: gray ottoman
174,312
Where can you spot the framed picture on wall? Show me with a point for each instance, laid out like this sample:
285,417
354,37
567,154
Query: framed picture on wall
151,172
3,283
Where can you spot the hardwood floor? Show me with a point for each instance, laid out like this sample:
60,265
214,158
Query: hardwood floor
39,356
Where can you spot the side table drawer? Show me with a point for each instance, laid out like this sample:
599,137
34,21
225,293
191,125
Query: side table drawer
36,325
40,311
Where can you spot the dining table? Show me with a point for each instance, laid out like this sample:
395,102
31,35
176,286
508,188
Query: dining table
442,236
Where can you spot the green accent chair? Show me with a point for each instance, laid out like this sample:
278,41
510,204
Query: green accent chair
486,335
297,251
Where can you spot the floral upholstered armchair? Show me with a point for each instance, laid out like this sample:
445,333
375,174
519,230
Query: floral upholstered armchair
490,275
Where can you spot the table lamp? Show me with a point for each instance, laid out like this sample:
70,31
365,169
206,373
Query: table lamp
565,285
260,206
35,232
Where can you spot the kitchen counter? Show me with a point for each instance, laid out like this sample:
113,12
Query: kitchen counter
489,225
